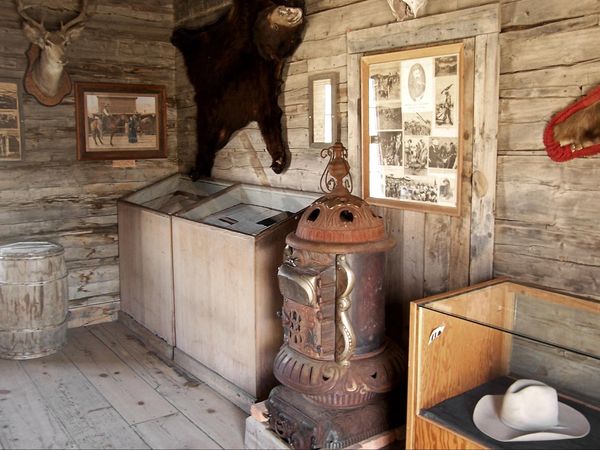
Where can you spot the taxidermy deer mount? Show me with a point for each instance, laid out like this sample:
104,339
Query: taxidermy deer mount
45,77
575,131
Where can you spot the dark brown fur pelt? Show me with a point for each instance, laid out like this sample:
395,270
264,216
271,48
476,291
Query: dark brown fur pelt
235,66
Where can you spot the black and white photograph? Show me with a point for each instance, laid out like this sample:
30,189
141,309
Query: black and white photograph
416,150
412,146
418,124
411,189
389,118
447,190
386,82
390,147
446,65
443,153
418,83
445,107
10,121
446,96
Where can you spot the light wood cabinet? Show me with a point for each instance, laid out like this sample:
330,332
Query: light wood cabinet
476,341
226,252
198,268
145,253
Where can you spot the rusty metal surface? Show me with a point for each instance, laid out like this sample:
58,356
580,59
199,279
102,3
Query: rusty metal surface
335,363
339,217
337,386
306,425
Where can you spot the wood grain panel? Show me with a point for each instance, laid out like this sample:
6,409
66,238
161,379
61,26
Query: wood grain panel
51,195
146,269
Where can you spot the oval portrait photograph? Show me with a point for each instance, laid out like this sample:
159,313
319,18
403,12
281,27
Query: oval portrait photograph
416,82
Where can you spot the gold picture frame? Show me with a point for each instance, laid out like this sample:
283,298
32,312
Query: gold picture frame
412,128
120,121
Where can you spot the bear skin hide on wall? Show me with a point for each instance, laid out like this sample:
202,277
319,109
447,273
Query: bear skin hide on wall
235,66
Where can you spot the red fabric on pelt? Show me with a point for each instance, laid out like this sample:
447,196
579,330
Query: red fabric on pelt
564,153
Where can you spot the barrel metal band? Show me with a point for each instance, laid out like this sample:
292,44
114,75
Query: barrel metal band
34,283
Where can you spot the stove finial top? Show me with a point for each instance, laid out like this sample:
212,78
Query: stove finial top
336,178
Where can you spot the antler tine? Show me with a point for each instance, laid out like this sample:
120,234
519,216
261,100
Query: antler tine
80,17
21,9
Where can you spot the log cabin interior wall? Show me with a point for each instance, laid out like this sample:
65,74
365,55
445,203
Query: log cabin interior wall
544,232
49,195
545,216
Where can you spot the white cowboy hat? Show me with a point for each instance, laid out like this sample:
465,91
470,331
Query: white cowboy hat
528,411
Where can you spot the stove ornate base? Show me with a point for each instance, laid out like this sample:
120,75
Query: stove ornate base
305,424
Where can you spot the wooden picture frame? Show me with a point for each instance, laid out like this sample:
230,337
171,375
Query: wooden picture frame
120,121
11,126
411,128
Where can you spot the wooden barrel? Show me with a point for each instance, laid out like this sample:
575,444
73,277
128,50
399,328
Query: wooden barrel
33,299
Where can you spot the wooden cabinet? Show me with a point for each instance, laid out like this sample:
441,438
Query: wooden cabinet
198,268
225,257
468,343
145,254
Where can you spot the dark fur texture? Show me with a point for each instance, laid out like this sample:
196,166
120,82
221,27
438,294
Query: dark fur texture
581,130
235,66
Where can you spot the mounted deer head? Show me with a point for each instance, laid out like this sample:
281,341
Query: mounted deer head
45,78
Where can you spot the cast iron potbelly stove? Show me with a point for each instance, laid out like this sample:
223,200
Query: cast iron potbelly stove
337,369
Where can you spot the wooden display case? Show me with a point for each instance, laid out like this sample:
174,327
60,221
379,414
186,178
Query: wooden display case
145,254
476,341
225,257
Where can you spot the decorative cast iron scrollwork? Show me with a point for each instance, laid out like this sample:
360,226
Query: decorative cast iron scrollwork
337,174
343,304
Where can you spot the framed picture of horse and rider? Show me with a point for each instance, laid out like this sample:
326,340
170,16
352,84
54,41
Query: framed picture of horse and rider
120,121
412,103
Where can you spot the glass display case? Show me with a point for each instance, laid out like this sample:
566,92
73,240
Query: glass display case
477,341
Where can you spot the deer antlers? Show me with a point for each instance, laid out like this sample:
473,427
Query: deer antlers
45,78
22,10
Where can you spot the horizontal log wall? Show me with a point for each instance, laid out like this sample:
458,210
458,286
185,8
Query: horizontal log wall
432,254
547,213
49,195
546,224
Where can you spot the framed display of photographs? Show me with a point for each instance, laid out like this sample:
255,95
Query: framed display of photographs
11,142
412,106
120,121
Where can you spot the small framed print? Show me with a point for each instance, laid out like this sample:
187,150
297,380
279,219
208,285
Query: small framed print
120,121
11,137
412,106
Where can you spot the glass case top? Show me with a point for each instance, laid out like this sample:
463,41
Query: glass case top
559,320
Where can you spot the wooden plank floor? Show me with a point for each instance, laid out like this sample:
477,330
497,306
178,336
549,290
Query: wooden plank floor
105,389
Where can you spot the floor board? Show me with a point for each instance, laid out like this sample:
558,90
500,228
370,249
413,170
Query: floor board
105,389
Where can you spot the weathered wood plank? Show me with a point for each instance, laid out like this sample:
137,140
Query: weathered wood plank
547,242
218,418
563,276
485,139
85,413
132,397
174,431
94,313
541,47
534,12
427,30
27,422
437,245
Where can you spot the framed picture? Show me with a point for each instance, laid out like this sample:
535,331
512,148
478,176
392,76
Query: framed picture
120,121
11,141
412,106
